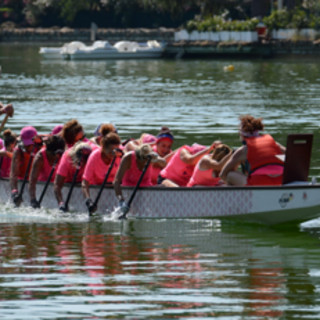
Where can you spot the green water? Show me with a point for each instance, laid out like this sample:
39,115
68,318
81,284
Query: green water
57,267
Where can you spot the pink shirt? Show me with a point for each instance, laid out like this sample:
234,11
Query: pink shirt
46,169
96,169
176,170
133,174
5,166
66,168
203,177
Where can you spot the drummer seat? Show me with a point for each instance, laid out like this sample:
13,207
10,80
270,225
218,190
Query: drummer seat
297,158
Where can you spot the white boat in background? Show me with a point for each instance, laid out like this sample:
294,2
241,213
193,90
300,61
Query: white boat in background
57,52
103,50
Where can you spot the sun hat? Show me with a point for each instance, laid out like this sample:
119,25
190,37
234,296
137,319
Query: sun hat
148,138
27,134
57,129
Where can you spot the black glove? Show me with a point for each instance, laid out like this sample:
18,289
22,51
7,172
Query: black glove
91,206
16,198
62,207
34,203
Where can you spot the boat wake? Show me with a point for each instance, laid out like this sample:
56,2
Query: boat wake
310,224
115,214
9,213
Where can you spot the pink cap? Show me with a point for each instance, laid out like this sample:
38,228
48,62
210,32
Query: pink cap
195,148
57,129
27,134
149,138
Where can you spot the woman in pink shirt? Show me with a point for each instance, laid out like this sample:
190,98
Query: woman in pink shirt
131,167
72,132
180,168
206,172
72,159
6,152
98,165
42,164
163,149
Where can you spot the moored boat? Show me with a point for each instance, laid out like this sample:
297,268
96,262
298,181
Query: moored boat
269,205
103,50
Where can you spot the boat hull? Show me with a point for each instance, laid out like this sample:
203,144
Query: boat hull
269,205
110,55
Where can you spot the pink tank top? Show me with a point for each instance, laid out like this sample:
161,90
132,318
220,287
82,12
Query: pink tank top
133,174
176,170
67,170
203,178
46,169
5,166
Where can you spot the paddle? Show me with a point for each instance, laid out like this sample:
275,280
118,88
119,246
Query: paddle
95,203
74,180
123,216
18,199
49,177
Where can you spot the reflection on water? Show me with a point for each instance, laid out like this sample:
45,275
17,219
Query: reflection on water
67,267
157,269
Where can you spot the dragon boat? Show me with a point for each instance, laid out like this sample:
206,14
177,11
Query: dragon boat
269,205
296,199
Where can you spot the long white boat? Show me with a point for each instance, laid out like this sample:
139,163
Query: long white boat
103,50
268,205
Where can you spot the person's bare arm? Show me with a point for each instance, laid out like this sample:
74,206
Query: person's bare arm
58,185
14,171
234,161
282,148
125,164
85,188
208,163
192,159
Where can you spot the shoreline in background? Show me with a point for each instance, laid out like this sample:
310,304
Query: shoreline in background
176,49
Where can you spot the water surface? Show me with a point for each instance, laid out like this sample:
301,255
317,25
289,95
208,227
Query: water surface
67,267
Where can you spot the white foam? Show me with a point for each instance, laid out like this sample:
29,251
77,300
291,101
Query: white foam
311,224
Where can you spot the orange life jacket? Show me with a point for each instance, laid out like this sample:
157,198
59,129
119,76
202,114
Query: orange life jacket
261,152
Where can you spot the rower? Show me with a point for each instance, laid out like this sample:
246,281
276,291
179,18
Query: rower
22,159
163,148
206,171
180,168
71,168
259,154
131,169
72,132
42,164
6,153
98,165
102,130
